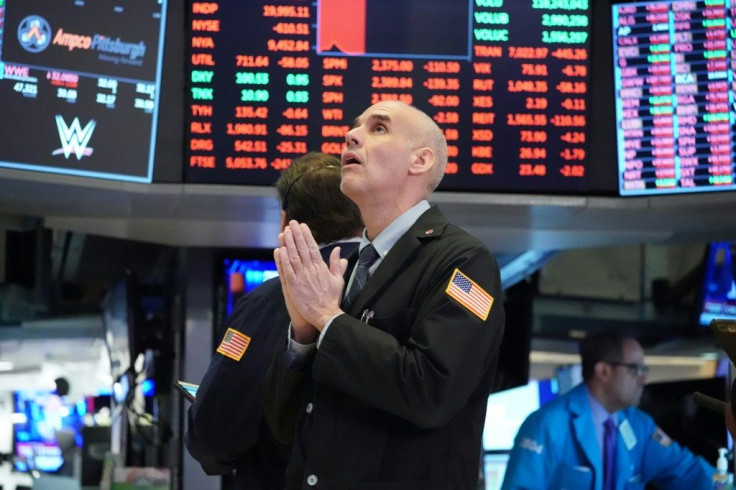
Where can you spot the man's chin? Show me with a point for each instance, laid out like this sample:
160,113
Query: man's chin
349,187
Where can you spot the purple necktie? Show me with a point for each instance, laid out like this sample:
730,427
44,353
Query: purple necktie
609,455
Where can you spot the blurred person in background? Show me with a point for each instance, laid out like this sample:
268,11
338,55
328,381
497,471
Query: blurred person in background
593,437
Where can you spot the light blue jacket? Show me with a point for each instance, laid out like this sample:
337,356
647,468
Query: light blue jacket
556,448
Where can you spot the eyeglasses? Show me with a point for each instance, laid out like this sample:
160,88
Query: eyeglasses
636,369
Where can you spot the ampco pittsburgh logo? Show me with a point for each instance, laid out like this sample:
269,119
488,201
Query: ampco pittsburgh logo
74,138
34,33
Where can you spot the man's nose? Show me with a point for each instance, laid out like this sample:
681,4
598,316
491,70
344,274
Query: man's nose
351,138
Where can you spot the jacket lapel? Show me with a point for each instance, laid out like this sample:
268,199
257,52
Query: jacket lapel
584,431
431,224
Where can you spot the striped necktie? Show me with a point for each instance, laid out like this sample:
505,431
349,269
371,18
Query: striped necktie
366,258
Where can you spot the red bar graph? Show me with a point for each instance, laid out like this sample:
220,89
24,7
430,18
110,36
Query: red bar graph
342,26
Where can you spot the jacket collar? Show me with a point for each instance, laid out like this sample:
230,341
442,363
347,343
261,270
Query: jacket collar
430,225
582,422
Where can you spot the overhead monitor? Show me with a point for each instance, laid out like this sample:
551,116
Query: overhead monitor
79,86
507,81
674,92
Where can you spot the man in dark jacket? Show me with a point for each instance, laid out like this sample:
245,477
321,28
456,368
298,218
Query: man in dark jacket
394,384
226,431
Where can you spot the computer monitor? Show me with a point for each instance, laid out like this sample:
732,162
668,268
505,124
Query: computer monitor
122,321
508,409
40,419
242,276
494,469
505,412
718,290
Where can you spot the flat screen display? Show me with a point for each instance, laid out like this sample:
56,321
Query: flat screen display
79,86
122,324
42,419
494,469
719,287
507,81
508,409
674,84
243,276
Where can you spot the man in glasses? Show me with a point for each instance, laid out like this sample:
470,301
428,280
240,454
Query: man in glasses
594,437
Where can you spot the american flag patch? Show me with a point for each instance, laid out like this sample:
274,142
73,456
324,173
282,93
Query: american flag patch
661,437
233,345
469,294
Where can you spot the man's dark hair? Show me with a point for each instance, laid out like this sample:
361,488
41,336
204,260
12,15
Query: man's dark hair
309,190
601,346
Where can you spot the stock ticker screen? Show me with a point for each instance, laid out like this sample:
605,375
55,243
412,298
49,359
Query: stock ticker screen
79,85
506,80
674,76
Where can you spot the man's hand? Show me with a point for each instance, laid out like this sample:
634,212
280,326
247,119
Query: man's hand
313,289
301,330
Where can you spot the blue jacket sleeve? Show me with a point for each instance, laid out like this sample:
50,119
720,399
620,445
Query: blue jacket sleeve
541,459
667,463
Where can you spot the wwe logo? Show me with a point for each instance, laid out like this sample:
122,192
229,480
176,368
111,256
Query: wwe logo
74,138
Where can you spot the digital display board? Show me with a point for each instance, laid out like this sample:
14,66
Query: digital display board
507,81
674,83
79,86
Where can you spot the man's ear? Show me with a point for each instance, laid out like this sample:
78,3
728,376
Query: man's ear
602,370
283,220
423,161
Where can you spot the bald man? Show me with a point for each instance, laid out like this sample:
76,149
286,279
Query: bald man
389,362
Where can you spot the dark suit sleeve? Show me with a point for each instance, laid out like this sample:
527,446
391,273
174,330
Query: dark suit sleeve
227,417
428,377
283,392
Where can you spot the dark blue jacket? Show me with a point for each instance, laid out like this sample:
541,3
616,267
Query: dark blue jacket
226,429
399,401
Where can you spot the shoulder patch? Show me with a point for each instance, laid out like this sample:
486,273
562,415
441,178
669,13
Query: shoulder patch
233,344
661,437
531,445
466,292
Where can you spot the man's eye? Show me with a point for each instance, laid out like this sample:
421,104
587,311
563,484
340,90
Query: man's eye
379,128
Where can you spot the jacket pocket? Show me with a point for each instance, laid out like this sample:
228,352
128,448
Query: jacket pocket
572,478
398,324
